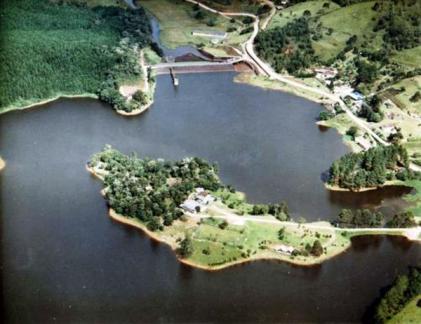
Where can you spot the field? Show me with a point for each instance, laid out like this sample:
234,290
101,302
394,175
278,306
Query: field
402,98
53,50
410,314
177,22
409,57
289,14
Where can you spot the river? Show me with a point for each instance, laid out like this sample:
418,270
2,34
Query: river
63,259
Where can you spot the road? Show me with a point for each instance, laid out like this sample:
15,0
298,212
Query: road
250,56
413,233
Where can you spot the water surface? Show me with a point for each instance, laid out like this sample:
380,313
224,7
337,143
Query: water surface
63,259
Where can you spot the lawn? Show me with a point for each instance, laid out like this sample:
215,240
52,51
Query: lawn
289,14
410,86
177,22
409,57
410,314
343,22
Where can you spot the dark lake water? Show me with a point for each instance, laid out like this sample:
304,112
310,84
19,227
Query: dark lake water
64,260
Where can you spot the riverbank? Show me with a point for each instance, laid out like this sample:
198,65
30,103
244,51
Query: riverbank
266,83
172,242
2,164
42,102
340,189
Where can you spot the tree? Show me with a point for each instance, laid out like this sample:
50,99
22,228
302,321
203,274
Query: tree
281,234
352,131
185,249
316,249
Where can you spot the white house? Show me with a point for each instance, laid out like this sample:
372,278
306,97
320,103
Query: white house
324,74
204,198
285,249
191,206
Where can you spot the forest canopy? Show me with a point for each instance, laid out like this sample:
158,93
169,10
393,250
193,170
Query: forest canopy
50,49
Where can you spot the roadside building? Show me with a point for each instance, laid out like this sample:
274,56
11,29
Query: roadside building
204,198
388,130
343,90
356,96
324,74
191,206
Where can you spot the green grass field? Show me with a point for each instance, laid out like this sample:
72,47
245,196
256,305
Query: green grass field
409,57
289,14
410,314
177,23
410,86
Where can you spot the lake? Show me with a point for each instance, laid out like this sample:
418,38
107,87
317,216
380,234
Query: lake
63,259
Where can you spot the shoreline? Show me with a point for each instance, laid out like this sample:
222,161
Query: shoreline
280,258
46,101
135,112
340,189
264,255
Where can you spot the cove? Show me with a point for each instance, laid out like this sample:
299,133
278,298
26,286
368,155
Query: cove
63,259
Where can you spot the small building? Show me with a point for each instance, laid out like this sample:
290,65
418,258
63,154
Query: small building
324,74
388,130
285,249
215,35
191,206
343,90
356,96
363,142
204,198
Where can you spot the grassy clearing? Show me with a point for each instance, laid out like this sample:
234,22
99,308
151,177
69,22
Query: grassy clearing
409,57
343,24
214,246
263,82
410,314
289,14
177,23
402,99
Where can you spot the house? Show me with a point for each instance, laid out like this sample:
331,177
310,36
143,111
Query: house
363,142
191,206
285,249
343,90
388,130
215,35
356,96
324,74
204,198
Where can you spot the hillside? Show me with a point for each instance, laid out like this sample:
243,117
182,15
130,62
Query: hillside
51,49
375,43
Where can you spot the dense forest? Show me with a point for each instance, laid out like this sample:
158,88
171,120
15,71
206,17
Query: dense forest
152,190
370,168
287,48
394,298
57,48
348,218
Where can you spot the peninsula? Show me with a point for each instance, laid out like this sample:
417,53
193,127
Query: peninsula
211,226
